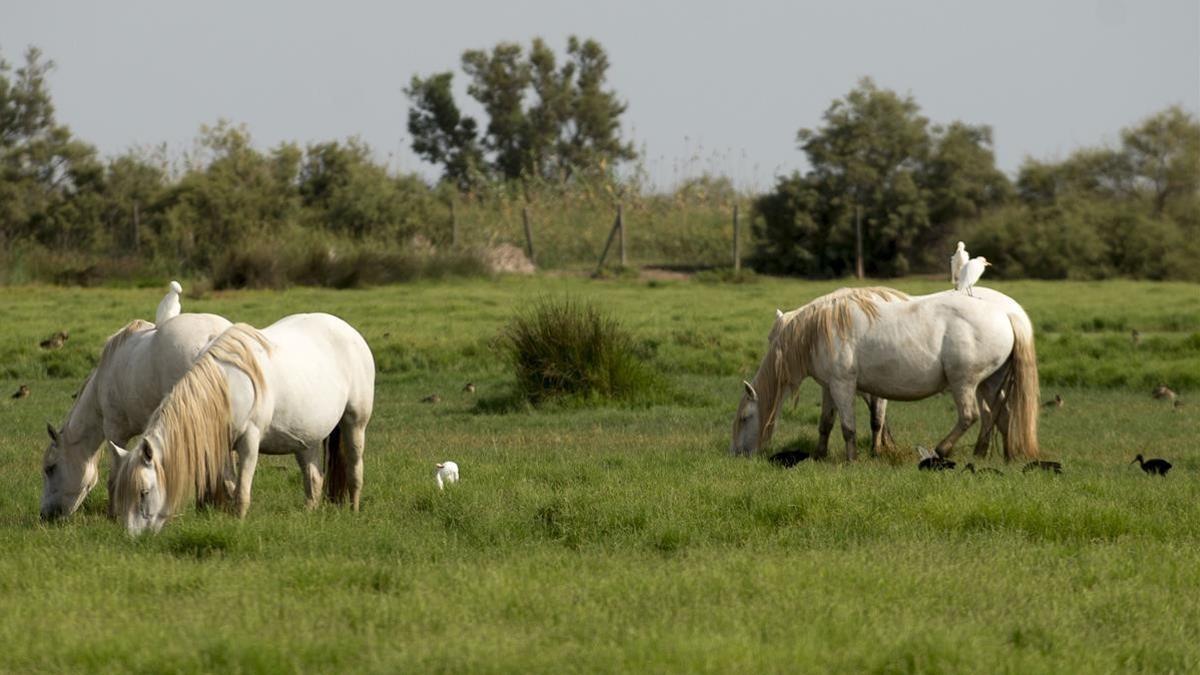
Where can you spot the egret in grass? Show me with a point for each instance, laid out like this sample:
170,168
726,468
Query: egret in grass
970,274
447,472
1155,467
168,307
957,261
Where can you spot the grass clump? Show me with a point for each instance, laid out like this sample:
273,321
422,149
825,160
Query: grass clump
570,349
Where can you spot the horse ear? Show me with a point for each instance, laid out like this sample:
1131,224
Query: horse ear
53,434
118,453
778,314
147,454
750,391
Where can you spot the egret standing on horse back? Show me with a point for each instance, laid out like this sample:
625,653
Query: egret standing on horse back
970,274
957,261
881,342
169,307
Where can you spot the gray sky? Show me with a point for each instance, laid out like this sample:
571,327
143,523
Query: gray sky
711,86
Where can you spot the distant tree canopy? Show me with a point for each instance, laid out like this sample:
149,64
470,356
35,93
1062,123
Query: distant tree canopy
1101,212
544,120
911,181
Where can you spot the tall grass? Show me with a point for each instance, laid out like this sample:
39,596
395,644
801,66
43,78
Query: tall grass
570,348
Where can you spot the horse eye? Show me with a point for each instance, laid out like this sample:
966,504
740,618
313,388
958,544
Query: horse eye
50,470
145,493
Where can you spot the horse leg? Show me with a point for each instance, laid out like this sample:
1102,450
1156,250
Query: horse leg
990,409
880,436
355,438
309,460
843,400
247,451
825,425
968,413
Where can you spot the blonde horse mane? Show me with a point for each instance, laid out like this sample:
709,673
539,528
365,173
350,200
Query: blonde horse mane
796,337
192,427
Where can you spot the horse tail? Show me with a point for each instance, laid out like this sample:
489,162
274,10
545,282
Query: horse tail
1021,395
337,470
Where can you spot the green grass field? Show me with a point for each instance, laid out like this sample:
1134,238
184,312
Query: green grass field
623,537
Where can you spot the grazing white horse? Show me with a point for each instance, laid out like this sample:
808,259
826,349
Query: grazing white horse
138,366
303,383
884,343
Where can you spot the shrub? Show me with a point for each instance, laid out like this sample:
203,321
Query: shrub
566,348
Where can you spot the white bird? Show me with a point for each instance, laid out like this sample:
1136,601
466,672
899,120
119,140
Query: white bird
447,472
168,307
970,273
957,261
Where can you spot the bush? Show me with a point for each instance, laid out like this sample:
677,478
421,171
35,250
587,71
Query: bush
566,348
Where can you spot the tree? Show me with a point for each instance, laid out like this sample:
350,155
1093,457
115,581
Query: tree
1164,155
877,160
544,120
442,134
42,166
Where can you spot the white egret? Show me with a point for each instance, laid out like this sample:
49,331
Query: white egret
970,273
447,472
957,261
168,307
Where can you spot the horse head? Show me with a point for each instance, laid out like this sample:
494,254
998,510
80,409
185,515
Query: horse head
68,474
746,423
138,494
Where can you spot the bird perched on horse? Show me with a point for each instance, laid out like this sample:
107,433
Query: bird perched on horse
970,274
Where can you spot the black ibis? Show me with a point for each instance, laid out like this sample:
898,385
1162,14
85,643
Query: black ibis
1056,402
788,458
432,398
1156,467
469,387
931,461
55,341
22,391
1044,465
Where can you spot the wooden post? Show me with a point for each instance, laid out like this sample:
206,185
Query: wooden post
528,232
453,224
136,226
608,244
858,244
621,224
737,242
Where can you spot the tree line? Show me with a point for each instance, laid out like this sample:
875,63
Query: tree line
551,130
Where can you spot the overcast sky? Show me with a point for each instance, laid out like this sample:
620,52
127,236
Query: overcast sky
711,86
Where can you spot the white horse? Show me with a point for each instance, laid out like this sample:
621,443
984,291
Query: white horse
138,366
303,383
882,342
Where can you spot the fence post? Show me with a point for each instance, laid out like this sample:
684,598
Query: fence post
737,241
528,232
858,264
621,224
136,226
608,244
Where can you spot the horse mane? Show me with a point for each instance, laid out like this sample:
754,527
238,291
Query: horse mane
114,341
193,426
796,337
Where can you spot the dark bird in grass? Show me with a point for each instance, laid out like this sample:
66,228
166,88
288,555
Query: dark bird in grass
984,470
1154,467
469,387
931,461
1135,336
1044,465
22,391
788,458
1056,402
1177,406
1163,391
55,341
432,398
